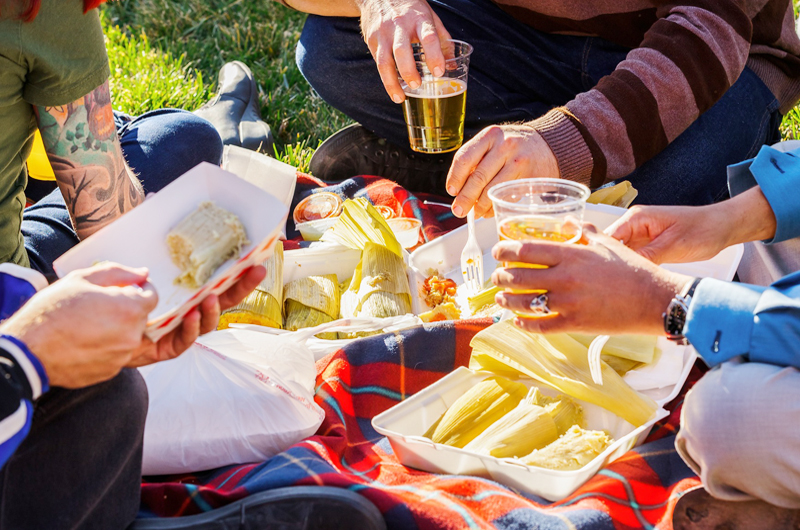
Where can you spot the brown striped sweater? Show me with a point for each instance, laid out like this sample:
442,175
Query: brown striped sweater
685,55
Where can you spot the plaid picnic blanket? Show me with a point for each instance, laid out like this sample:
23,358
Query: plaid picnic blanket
354,384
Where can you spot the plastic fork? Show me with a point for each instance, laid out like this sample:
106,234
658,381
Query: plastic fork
595,350
472,258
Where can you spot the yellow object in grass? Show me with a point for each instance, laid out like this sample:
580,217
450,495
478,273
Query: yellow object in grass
562,363
477,409
263,306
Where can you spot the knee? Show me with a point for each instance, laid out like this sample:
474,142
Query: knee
324,48
203,143
126,397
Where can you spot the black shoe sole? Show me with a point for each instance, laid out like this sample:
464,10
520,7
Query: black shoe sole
293,508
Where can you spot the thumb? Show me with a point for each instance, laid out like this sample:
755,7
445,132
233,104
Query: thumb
621,229
114,275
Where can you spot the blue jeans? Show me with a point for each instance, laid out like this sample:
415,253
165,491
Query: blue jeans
518,73
159,146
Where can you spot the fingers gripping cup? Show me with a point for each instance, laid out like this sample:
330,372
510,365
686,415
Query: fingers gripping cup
434,111
538,208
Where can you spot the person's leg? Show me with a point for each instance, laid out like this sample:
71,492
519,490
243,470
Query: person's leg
80,466
159,146
692,169
516,73
739,433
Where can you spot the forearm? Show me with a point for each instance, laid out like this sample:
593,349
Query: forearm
83,147
326,8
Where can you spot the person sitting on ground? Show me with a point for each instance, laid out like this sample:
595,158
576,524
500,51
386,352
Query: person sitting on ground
738,422
665,94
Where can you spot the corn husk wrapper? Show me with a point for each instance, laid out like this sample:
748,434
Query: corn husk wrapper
482,299
620,365
561,362
360,223
639,348
562,408
312,301
573,450
263,306
621,195
477,409
204,240
517,433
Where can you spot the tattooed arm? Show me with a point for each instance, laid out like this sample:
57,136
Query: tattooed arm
82,144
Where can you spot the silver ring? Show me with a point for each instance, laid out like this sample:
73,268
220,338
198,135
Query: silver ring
538,305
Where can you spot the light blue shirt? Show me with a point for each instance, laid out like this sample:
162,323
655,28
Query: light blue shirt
760,323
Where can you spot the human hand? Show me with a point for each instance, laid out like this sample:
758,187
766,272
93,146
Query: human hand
499,153
598,287
389,28
85,327
202,319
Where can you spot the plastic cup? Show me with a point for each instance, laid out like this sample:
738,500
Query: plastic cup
434,111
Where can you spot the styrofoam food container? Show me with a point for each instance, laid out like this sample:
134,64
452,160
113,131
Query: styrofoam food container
443,255
138,239
406,230
313,230
405,423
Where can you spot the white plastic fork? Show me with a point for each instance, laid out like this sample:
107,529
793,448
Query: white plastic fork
472,258
595,350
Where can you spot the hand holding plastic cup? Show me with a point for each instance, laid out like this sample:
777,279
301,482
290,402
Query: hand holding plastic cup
538,208
434,111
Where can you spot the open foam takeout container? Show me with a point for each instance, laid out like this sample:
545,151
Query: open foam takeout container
138,239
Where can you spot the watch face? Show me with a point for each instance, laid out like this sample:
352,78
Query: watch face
675,318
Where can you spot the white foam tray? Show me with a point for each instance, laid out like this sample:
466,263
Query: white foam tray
405,423
138,239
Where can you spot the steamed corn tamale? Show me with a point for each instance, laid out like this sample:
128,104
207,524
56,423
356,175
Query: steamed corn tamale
518,432
639,348
204,240
562,408
477,409
379,286
311,301
573,450
264,306
561,362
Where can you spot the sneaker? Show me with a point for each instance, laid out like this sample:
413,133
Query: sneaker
356,151
236,111
698,510
292,508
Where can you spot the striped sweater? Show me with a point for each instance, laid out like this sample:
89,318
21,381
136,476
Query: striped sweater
685,56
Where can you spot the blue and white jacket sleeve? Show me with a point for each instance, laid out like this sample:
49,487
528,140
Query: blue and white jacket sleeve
22,376
778,175
760,323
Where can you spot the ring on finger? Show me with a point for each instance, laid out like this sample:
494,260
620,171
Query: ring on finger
538,306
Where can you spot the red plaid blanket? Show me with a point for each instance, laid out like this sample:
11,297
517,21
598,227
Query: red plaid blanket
369,376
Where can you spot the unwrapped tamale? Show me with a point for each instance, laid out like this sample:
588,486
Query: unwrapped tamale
204,240
573,450
311,301
264,306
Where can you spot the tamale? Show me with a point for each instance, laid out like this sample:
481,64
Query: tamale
263,306
204,240
639,348
360,223
379,286
476,410
573,450
561,362
483,298
312,301
517,433
563,409
620,195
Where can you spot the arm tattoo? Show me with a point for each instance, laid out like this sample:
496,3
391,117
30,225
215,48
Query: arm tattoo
82,144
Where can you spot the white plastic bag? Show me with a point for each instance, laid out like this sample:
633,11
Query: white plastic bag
236,396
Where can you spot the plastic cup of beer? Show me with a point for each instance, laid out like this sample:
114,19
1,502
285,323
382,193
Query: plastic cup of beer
538,209
434,111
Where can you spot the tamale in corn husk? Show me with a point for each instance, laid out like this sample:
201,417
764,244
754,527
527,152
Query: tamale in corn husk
204,240
639,348
620,195
562,408
264,306
312,301
477,409
562,363
573,450
360,223
518,432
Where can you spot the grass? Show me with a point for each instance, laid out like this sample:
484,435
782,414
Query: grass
166,53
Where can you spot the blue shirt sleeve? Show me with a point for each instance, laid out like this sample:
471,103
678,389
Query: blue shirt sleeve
761,323
778,175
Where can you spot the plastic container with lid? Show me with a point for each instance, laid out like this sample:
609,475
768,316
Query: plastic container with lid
406,230
317,206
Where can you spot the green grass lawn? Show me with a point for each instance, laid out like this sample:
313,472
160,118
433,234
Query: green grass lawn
166,53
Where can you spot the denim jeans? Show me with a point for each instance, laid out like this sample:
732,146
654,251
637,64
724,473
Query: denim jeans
518,73
159,146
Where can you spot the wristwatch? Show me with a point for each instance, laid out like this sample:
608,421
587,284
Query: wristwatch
675,315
